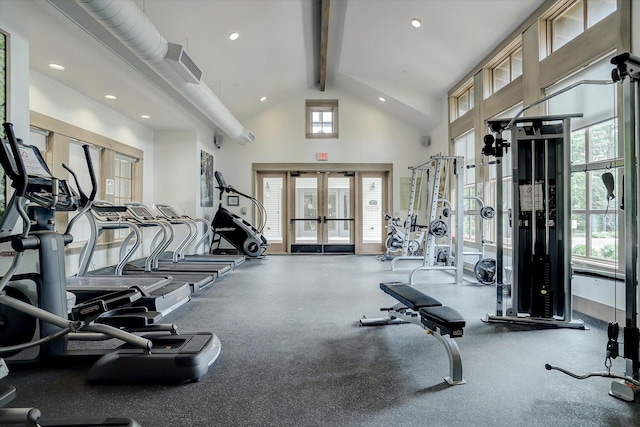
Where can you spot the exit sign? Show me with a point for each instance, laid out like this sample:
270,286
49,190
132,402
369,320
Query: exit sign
322,156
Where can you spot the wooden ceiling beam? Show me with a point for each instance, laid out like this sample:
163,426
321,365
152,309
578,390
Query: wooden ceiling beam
324,35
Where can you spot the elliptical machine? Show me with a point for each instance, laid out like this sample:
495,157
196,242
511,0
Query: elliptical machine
242,235
34,310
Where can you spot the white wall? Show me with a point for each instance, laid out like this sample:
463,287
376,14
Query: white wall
367,134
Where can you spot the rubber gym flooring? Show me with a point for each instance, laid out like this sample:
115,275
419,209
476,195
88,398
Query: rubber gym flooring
294,355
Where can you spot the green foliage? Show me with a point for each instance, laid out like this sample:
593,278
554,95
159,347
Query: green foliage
579,250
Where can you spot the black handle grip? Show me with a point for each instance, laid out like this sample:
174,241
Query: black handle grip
20,179
92,172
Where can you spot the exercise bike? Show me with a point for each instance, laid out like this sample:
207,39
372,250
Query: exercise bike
395,237
242,235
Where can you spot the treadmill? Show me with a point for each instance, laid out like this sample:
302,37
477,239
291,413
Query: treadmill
173,217
109,216
153,263
161,292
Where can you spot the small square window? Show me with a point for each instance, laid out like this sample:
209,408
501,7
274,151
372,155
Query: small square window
322,118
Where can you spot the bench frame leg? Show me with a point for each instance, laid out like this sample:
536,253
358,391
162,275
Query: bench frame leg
455,358
401,314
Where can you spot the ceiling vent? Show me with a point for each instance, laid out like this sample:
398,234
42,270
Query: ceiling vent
247,136
182,63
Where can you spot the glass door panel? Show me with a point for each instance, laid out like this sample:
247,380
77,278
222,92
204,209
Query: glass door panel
338,218
371,207
272,194
306,215
321,218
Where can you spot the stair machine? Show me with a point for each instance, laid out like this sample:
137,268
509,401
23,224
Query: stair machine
36,321
170,214
246,238
625,387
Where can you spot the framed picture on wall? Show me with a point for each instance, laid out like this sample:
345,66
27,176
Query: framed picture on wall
233,201
206,179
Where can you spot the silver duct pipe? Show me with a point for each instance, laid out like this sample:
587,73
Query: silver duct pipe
128,23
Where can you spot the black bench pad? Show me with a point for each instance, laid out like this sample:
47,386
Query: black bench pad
409,296
444,317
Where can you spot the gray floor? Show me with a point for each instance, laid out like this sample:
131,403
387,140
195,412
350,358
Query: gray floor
294,355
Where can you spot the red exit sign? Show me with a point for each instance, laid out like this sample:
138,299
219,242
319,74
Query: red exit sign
322,156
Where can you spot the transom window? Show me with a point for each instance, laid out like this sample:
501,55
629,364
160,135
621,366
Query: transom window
507,70
322,118
462,102
571,21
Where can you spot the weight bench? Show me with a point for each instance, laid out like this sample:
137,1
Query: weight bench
443,322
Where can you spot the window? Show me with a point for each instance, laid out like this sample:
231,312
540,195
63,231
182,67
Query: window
596,219
507,70
465,146
322,118
462,102
594,214
570,22
123,179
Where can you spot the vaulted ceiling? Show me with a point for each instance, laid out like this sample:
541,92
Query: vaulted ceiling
372,51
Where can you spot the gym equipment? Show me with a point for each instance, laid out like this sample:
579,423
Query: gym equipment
442,322
34,305
444,233
88,287
541,289
627,386
396,236
172,216
143,215
485,268
32,416
243,236
105,216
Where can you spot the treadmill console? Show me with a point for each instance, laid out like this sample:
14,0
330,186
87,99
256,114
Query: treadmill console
168,212
107,212
140,212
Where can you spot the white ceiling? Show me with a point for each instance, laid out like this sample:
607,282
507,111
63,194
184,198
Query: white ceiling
373,51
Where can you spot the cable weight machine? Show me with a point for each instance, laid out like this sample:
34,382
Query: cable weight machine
627,386
541,288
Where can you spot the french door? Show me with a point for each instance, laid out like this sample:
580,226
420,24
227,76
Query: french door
321,212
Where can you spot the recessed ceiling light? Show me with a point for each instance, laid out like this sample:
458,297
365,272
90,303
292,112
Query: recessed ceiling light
56,67
416,22
234,36
381,99
110,96
264,98
144,116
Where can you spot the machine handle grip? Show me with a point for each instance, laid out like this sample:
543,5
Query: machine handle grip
21,178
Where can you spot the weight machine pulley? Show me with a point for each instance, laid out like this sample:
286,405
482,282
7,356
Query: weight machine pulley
627,386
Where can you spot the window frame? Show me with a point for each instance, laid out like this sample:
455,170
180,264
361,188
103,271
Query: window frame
468,91
552,17
322,106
